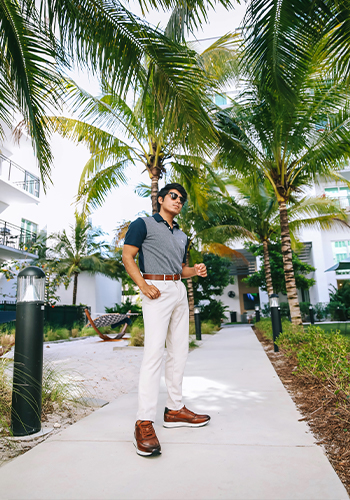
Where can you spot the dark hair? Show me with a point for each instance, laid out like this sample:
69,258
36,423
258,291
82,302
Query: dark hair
165,190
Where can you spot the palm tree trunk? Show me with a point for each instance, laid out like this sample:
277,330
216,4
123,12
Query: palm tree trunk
154,191
288,266
75,288
190,294
267,267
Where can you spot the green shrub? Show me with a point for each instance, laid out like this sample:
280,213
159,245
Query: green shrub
324,355
192,343
320,311
214,312
208,327
337,310
56,334
265,326
265,310
284,307
137,336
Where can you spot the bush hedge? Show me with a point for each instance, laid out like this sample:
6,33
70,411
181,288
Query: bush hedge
320,354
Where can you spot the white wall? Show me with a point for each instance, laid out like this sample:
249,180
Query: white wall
97,291
233,304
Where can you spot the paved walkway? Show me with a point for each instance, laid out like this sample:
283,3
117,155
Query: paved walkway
253,449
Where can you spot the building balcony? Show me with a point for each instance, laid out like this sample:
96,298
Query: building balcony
17,185
16,242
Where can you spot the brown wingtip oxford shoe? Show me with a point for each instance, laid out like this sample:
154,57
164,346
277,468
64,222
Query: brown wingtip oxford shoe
184,418
145,439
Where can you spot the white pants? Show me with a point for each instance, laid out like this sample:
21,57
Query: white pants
165,319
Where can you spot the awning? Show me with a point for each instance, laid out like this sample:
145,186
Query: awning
343,265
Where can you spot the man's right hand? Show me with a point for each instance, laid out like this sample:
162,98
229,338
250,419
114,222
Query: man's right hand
150,291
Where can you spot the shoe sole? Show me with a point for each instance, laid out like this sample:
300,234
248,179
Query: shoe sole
184,424
146,453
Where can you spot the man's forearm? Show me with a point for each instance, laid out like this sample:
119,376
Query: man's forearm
133,271
188,272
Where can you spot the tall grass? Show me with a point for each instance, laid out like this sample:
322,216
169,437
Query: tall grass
5,394
58,388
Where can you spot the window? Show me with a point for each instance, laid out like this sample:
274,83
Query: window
340,250
29,232
342,193
250,300
220,99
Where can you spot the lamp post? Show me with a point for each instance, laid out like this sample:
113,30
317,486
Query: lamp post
275,319
311,314
28,359
197,323
257,314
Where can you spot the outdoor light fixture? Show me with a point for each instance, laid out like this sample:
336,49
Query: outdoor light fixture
257,313
31,287
197,322
275,319
274,300
311,314
28,358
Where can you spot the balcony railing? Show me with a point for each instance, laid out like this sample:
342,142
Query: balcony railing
342,201
16,237
20,177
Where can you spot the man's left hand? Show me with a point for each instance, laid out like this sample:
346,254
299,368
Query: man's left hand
201,270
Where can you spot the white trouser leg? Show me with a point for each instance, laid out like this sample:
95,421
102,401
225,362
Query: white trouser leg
177,350
161,315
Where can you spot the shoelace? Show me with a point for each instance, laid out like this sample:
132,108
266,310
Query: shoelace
147,430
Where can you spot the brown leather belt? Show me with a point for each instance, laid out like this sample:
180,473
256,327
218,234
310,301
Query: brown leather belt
163,277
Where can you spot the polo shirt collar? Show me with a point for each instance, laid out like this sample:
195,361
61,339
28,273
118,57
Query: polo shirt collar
159,218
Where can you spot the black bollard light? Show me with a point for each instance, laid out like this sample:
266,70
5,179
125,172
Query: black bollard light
311,314
275,319
28,359
257,314
280,319
197,323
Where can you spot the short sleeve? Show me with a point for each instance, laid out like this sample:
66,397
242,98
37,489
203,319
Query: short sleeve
136,233
186,250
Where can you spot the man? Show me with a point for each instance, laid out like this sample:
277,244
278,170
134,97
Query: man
162,249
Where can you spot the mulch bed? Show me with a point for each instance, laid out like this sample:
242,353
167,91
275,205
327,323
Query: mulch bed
327,414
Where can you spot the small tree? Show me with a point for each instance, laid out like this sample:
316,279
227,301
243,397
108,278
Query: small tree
218,278
83,252
258,279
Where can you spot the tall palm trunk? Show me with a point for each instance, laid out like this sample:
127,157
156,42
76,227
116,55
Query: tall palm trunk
267,267
190,293
154,191
75,288
288,266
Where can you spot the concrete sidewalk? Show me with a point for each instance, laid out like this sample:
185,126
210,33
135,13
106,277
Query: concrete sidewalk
253,449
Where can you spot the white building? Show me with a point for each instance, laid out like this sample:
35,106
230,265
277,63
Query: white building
25,210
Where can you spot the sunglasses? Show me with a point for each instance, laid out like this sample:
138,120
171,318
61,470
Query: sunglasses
175,196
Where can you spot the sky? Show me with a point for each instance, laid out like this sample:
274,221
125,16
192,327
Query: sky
57,206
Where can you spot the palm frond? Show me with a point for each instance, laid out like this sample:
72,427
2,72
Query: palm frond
28,61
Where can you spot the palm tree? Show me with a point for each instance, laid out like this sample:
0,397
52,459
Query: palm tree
256,207
106,38
158,137
253,215
81,252
292,123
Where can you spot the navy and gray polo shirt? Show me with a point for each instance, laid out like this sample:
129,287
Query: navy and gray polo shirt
162,250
